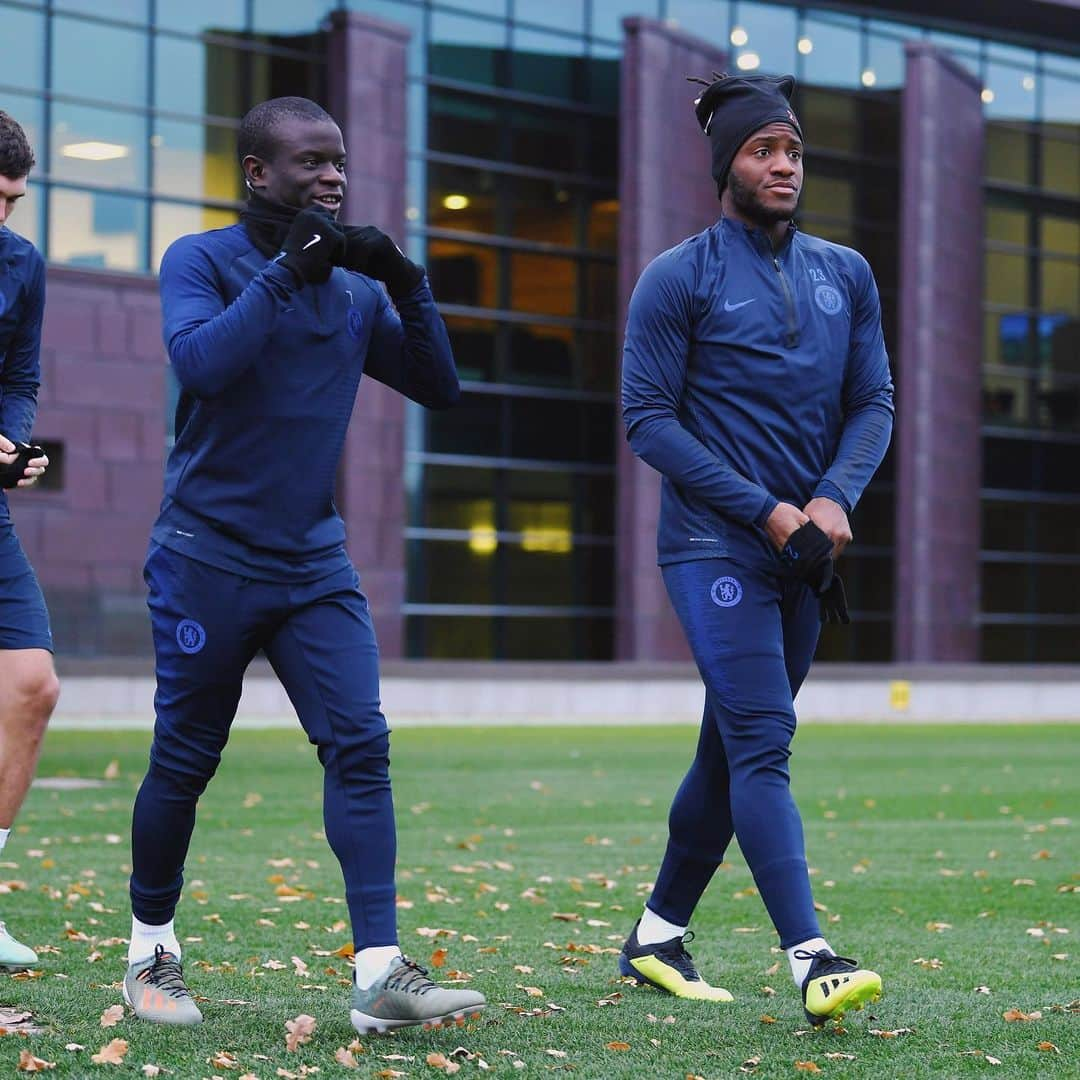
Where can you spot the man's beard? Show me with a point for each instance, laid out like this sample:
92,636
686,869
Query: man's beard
750,206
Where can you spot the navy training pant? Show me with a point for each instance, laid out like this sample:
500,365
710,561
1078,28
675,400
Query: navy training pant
753,637
208,624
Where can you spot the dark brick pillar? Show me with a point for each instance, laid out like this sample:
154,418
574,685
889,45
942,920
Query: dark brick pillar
103,397
366,59
665,195
939,369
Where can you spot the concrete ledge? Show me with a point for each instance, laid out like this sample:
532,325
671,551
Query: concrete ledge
425,694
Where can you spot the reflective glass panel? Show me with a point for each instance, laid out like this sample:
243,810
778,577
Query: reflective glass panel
607,15
290,16
1013,86
97,230
199,16
195,160
1059,234
1008,154
94,60
173,220
462,198
835,55
566,15
198,78
547,64
1061,90
128,10
23,67
1007,226
771,32
468,49
98,146
474,345
465,273
1060,287
1006,279
543,284
1061,163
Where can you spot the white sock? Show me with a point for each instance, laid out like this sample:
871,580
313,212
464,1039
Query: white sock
145,936
800,968
652,929
372,962
4,834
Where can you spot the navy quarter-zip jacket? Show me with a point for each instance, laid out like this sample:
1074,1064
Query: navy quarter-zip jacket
22,307
752,377
268,373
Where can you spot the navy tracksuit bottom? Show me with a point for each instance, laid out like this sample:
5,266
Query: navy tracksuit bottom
753,637
208,625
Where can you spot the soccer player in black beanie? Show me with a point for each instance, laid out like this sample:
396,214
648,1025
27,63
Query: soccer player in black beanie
755,380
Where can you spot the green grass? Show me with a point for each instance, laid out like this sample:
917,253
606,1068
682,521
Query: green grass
907,829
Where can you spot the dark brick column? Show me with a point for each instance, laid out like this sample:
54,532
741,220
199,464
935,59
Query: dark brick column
665,195
939,369
367,98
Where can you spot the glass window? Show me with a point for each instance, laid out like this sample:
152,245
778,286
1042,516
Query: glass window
545,139
24,67
1059,234
1061,90
195,160
450,637
1007,226
172,220
834,59
468,274
1006,399
709,20
453,571
471,427
829,118
1061,164
198,78
1058,528
474,344
607,15
543,210
1004,587
1059,343
462,198
97,229
290,16
1010,77
94,60
543,284
769,46
547,64
201,16
1006,279
603,224
885,51
1008,339
98,146
453,498
1060,292
1008,154
128,10
1056,644
566,15
966,50
541,356
557,639
828,195
1006,526
463,124
465,48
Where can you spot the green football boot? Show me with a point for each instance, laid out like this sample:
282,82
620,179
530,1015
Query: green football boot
14,955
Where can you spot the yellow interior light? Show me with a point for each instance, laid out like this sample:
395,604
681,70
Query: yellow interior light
483,540
95,151
455,202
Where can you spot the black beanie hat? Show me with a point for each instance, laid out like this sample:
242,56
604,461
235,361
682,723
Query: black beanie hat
732,107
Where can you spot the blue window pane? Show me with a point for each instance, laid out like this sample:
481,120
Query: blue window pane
965,50
290,16
607,15
1061,90
465,48
834,57
200,78
24,67
564,15
127,10
768,37
96,61
885,52
195,160
199,16
545,63
98,146
709,20
1010,91
98,230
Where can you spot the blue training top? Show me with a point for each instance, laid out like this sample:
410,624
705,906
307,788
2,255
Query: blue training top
268,374
22,306
751,378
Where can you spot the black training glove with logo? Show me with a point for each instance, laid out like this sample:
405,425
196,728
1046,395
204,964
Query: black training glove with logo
807,556
10,475
370,251
315,244
832,602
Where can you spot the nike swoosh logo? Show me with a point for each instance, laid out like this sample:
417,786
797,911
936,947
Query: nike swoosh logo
729,306
314,240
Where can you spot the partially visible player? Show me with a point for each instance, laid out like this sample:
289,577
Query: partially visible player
269,325
755,379
28,685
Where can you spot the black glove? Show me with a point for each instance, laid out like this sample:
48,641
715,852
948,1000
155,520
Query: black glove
315,244
807,555
10,475
832,602
370,251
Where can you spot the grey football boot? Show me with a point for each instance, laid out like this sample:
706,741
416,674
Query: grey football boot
156,990
403,995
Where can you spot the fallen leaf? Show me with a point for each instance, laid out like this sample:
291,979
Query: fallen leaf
299,1031
617,1046
441,1061
112,770
891,1034
767,1019
300,967
346,1058
112,1016
807,1066
112,1053
29,1063
223,1060
1048,1047
838,1056
438,958
750,1064
992,1060
556,1053
1012,1015
151,1070
532,991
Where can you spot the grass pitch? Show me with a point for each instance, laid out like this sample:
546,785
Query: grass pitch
944,857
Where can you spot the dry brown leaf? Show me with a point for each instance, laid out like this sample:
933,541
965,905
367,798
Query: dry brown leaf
299,966
112,770
250,1076
895,1033
438,958
767,1019
346,1058
1012,1015
299,1031
112,1053
532,991
112,1016
29,1063
223,1060
807,1066
388,1074
1048,1047
566,916
441,1061
617,1046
